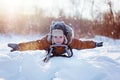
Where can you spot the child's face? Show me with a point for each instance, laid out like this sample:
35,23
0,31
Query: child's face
58,39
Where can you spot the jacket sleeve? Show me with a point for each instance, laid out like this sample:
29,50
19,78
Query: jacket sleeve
78,44
41,44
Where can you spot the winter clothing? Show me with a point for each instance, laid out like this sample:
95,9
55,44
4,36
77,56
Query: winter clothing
13,46
57,32
56,29
43,44
98,44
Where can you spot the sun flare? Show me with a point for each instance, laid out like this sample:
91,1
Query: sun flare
11,7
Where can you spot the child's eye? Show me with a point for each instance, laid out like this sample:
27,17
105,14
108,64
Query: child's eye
58,36
61,37
55,36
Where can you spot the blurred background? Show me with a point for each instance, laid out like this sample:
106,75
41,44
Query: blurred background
88,18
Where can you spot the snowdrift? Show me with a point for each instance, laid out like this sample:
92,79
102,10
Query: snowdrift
88,64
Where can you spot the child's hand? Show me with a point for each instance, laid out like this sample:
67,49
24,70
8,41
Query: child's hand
98,44
13,46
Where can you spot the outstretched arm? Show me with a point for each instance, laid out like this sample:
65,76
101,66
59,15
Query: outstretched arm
78,44
33,45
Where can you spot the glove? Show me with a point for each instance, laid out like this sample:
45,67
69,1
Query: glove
98,44
13,46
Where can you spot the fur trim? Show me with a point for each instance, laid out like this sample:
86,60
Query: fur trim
65,40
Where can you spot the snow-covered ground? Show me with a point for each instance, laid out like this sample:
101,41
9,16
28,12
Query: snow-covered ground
101,63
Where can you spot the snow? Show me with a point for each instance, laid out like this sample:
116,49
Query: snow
101,63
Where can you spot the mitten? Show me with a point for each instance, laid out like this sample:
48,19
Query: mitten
100,44
13,46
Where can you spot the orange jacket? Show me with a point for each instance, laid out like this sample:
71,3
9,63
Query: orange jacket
43,44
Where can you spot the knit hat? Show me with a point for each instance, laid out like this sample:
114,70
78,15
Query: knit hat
57,32
62,28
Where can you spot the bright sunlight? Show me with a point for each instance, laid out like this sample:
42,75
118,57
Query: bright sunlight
24,6
12,7
28,7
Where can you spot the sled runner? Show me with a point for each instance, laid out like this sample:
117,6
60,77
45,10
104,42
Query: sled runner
67,52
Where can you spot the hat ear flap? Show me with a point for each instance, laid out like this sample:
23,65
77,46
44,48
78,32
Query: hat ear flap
65,40
50,33
53,41
49,38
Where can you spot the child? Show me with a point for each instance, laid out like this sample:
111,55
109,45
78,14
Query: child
59,42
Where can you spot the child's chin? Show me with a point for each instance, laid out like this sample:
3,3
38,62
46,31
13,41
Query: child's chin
58,43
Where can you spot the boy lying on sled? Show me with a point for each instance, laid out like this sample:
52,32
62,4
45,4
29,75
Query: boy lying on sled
59,42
